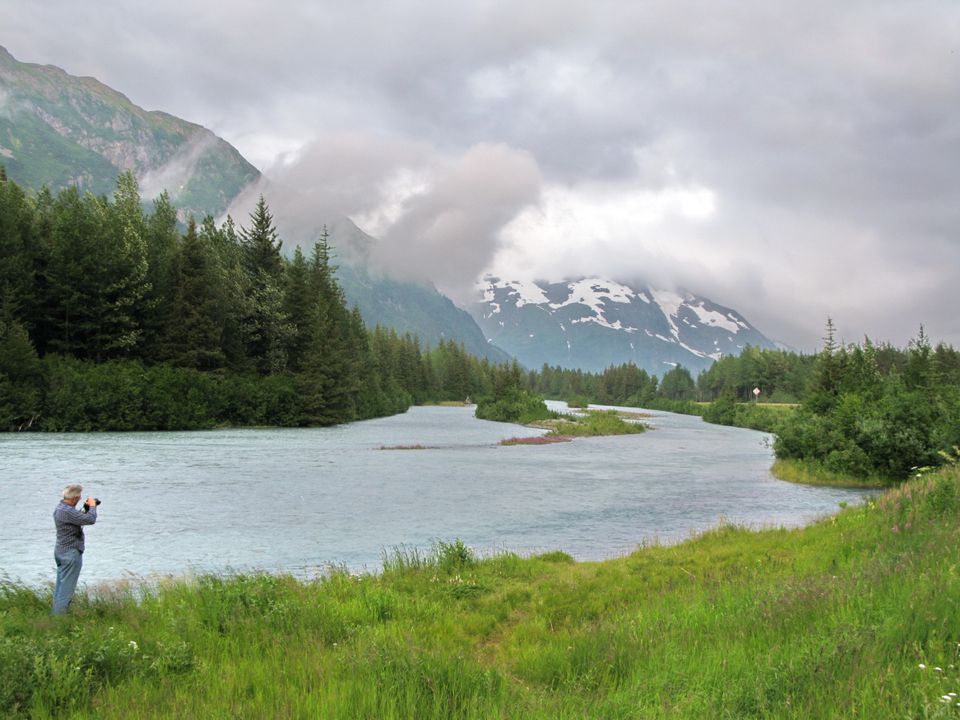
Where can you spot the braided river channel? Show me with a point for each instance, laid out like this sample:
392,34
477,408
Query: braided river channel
302,500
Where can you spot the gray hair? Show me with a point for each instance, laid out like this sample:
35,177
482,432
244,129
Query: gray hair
72,491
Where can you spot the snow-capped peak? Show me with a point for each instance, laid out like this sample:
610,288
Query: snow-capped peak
593,322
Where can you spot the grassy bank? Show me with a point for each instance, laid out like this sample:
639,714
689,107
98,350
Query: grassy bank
813,473
855,616
593,423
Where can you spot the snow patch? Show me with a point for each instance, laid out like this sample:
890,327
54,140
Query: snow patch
669,303
616,325
527,292
593,291
716,319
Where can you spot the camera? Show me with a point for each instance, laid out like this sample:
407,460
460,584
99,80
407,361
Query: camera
86,506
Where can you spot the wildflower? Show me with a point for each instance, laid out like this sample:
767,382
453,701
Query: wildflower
922,666
133,644
895,529
945,699
938,669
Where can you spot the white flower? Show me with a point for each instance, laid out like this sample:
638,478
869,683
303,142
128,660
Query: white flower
922,666
938,669
133,644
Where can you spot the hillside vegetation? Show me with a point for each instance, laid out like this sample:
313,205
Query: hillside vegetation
854,616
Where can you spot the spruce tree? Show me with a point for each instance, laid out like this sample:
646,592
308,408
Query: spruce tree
267,329
162,239
195,334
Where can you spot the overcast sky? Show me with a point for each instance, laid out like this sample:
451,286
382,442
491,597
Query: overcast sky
792,160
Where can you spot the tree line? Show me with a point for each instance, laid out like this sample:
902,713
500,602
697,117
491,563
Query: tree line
862,409
113,317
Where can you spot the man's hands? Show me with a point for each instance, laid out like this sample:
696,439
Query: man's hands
90,502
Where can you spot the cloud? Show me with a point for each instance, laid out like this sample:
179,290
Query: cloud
437,217
448,230
825,135
177,171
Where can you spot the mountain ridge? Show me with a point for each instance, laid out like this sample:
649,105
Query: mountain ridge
58,129
591,323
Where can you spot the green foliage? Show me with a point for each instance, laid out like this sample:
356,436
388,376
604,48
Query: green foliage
454,556
21,374
725,411
677,384
510,402
860,421
595,423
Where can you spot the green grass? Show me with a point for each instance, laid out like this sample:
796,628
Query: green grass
830,621
807,472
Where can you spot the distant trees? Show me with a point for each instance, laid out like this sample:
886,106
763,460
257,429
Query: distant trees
863,409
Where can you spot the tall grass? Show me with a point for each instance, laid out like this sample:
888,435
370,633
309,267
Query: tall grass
849,617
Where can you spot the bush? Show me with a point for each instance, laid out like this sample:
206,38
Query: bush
516,406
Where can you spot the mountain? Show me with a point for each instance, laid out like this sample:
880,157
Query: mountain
407,307
593,323
57,130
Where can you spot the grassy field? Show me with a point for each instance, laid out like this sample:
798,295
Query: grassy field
856,616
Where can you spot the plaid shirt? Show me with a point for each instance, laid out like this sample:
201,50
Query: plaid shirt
69,521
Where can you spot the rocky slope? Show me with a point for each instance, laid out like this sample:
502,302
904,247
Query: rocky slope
57,129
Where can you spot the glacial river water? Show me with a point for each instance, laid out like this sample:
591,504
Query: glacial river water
299,500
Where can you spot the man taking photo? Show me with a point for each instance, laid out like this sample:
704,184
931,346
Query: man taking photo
68,552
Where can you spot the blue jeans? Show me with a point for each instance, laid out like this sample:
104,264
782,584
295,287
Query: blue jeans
69,563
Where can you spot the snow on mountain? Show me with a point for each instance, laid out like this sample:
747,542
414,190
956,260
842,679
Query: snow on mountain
592,323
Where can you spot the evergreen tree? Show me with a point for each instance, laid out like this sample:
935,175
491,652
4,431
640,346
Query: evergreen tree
677,384
16,267
231,283
195,334
297,303
21,374
162,240
266,328
261,245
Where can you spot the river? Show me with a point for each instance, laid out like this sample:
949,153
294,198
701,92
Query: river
300,500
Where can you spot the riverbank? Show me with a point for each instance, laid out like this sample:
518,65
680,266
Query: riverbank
854,616
809,473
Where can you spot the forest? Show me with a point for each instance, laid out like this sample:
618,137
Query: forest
113,317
